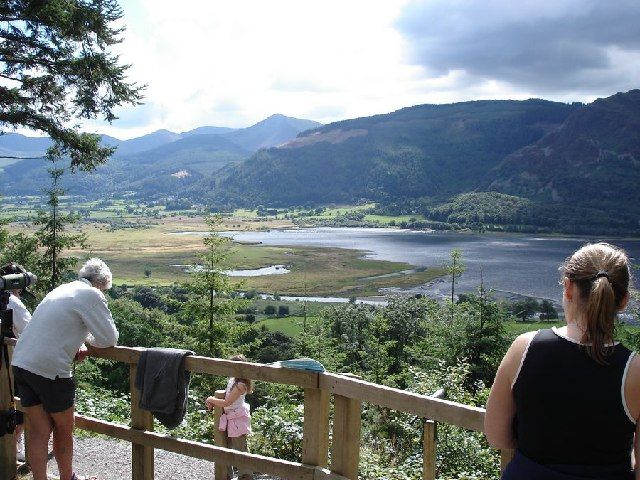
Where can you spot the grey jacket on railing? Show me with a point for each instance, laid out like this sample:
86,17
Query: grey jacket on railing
164,384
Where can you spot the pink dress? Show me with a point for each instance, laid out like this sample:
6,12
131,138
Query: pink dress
236,419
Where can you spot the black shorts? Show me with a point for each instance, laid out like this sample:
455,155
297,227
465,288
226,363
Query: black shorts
19,414
55,395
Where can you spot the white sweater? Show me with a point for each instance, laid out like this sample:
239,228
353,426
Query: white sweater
21,315
67,317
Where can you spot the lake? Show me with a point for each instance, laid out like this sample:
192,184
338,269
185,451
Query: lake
511,264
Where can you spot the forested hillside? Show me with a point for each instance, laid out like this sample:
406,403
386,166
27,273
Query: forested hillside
593,160
552,167
426,150
155,166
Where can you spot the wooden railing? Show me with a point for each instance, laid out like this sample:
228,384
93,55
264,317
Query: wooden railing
348,395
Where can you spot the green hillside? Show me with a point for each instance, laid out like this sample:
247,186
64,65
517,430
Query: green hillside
593,160
427,150
155,166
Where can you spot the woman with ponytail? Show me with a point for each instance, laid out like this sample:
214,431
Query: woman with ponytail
568,399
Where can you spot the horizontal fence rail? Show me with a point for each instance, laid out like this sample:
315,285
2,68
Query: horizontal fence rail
348,394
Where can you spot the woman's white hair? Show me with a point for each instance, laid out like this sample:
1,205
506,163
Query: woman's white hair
97,272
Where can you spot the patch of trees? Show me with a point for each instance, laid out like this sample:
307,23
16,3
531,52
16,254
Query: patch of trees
528,309
493,211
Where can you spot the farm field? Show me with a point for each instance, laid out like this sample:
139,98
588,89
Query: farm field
150,250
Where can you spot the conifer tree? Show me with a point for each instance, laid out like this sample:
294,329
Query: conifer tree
52,236
455,268
217,301
56,65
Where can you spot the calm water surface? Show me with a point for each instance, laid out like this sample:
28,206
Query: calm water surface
510,263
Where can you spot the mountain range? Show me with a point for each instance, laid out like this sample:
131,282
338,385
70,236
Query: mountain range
425,150
153,164
534,164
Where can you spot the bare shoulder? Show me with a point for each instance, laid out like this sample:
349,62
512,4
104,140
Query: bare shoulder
524,338
512,359
521,343
633,373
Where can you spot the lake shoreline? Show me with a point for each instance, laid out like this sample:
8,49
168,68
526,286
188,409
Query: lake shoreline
515,264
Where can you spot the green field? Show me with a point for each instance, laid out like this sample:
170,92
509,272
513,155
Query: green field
140,244
516,328
136,245
341,210
291,326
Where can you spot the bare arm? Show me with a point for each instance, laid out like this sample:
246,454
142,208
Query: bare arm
501,407
632,399
238,389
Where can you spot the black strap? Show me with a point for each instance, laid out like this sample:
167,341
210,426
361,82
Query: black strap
5,355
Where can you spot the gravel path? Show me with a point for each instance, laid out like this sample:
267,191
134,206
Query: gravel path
110,459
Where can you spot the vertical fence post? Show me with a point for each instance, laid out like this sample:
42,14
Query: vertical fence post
505,458
7,442
141,456
345,448
429,450
429,433
219,438
315,439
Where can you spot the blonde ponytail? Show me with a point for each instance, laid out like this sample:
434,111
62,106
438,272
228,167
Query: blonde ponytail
599,315
601,273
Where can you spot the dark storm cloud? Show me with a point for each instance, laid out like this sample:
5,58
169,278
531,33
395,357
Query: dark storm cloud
550,46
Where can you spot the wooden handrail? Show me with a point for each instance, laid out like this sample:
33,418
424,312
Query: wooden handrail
437,409
423,406
348,394
220,367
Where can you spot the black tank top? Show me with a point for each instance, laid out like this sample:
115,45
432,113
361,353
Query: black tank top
569,409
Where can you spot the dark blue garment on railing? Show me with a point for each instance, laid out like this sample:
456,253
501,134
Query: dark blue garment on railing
164,384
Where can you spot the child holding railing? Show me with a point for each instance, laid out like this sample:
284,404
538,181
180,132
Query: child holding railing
236,419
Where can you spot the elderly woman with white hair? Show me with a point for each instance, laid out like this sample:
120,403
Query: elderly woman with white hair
69,316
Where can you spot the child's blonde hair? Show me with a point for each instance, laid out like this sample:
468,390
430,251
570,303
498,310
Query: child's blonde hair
247,381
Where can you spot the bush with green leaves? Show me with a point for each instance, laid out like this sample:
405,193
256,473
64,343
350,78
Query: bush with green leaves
392,441
278,430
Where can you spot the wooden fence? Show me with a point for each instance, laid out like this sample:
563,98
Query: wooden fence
348,395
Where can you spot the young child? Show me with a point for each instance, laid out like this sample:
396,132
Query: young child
236,419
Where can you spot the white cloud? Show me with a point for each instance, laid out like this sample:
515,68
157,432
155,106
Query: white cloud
233,63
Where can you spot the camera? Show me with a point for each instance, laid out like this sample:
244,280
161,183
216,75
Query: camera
7,421
17,281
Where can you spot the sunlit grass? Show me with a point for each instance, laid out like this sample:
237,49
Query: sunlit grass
134,244
291,326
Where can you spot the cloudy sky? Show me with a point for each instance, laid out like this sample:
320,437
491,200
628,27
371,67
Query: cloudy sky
235,62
